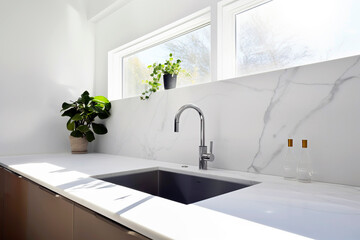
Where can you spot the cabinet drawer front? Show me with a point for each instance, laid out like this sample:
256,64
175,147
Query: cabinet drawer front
15,206
50,216
89,225
1,202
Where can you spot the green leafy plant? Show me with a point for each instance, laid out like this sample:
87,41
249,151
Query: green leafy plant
82,114
169,67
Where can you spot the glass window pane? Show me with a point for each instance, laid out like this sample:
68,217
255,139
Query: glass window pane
192,48
286,33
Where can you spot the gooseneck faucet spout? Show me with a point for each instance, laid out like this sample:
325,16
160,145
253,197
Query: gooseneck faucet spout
202,121
203,155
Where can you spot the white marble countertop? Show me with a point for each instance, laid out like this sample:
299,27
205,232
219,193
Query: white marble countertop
273,209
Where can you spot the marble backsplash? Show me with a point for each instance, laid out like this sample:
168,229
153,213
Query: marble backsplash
250,119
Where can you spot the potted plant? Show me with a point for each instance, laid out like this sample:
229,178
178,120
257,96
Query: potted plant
83,113
169,70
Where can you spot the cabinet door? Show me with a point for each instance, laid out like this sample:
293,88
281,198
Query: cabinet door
91,226
1,202
15,206
49,215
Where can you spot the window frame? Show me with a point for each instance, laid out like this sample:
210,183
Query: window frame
226,35
164,34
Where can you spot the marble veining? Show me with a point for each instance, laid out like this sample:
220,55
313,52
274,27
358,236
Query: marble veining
282,84
346,76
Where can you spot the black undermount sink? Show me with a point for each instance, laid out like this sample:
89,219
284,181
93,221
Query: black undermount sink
175,186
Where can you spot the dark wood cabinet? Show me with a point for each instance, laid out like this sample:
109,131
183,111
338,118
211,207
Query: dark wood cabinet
1,202
33,212
90,225
15,206
50,216
29,211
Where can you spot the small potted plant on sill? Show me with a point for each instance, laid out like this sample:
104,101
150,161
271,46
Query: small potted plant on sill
83,113
169,70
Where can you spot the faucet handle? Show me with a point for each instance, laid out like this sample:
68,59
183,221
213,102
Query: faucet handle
209,156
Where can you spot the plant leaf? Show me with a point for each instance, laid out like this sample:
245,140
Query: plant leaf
76,133
76,117
70,112
84,94
85,98
100,99
99,128
83,128
90,136
104,114
70,125
66,105
108,106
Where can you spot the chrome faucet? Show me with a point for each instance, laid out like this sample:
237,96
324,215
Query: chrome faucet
204,156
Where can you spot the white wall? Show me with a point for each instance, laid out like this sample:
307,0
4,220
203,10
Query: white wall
98,9
249,118
94,7
46,58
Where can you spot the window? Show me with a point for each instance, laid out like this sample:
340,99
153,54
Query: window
188,40
247,37
192,48
270,35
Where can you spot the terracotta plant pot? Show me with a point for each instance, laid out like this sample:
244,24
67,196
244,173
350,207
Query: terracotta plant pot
169,81
78,145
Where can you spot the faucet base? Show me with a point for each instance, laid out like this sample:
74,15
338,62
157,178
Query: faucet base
203,165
